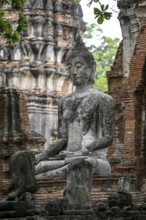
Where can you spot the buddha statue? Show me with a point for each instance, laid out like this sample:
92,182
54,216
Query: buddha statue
86,122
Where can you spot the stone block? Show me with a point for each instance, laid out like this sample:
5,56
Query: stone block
54,207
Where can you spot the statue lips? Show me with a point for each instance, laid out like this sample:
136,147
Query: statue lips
74,79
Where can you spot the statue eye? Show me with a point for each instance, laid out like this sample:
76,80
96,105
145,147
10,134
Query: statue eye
78,66
69,66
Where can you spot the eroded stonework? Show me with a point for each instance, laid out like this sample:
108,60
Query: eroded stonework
130,26
79,182
36,64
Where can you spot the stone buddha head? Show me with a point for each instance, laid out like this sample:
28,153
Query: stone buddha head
81,64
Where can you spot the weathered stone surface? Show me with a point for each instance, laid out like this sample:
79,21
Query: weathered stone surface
70,217
123,198
122,215
9,209
21,174
117,156
36,64
120,200
77,193
54,207
100,207
124,184
102,188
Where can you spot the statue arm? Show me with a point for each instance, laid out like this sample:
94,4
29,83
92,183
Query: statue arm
103,142
52,151
107,124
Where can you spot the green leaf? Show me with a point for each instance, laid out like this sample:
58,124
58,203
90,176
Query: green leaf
21,23
107,15
101,84
5,1
106,7
103,54
6,26
16,37
100,19
18,4
97,11
102,7
2,13
77,1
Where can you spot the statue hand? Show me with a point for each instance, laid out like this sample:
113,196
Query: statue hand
40,157
85,151
66,153
63,154
91,147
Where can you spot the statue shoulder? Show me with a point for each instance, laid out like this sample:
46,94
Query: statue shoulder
66,100
101,96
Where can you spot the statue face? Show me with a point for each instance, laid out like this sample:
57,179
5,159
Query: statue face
79,71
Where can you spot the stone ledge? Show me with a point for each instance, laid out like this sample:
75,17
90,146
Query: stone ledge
102,188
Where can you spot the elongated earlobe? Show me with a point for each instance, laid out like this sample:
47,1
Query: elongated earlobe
93,67
92,71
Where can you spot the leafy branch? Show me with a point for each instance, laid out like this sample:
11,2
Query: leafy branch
104,53
7,31
101,12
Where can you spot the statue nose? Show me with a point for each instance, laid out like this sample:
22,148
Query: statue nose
74,72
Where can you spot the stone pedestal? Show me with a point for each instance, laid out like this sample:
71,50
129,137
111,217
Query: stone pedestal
77,198
54,207
123,198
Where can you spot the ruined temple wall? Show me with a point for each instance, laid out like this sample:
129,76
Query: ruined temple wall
36,64
127,86
114,84
15,132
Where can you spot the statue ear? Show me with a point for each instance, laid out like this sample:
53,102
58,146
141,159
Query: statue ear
93,67
92,72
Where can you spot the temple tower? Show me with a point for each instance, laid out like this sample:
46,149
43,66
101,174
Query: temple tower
36,64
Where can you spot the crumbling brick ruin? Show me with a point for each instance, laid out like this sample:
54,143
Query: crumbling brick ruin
15,132
127,86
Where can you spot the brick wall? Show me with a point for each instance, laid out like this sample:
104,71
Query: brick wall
128,92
